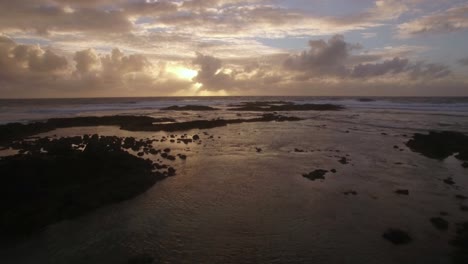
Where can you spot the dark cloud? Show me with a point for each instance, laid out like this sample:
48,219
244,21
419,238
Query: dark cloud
323,57
334,58
394,66
428,70
210,74
46,62
85,60
118,64
463,62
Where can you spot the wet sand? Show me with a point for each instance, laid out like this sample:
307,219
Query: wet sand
230,203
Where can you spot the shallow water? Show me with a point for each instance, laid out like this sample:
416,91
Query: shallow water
230,204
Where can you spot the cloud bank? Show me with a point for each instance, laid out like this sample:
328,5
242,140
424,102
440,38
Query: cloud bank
71,48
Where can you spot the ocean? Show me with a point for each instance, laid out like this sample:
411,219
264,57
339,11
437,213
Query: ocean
440,112
231,203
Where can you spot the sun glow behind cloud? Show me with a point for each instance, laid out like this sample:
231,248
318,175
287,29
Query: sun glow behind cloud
183,72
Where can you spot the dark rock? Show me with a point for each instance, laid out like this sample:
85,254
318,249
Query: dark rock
159,166
186,140
343,160
333,170
460,242
440,145
439,223
261,103
171,171
258,150
397,236
298,150
153,151
402,192
182,156
167,150
460,197
274,107
316,175
366,100
190,108
141,259
196,137
395,147
449,181
12,131
66,182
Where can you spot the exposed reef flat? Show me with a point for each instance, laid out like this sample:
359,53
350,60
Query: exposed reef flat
56,179
284,106
15,131
190,108
440,145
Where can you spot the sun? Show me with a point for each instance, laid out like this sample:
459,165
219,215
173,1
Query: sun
184,73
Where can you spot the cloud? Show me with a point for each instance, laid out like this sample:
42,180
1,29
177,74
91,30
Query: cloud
32,71
210,74
19,61
43,16
148,8
393,66
118,64
335,57
323,57
45,61
450,20
429,70
463,62
86,60
205,19
382,10
141,66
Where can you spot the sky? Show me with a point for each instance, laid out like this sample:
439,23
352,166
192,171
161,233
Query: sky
122,48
